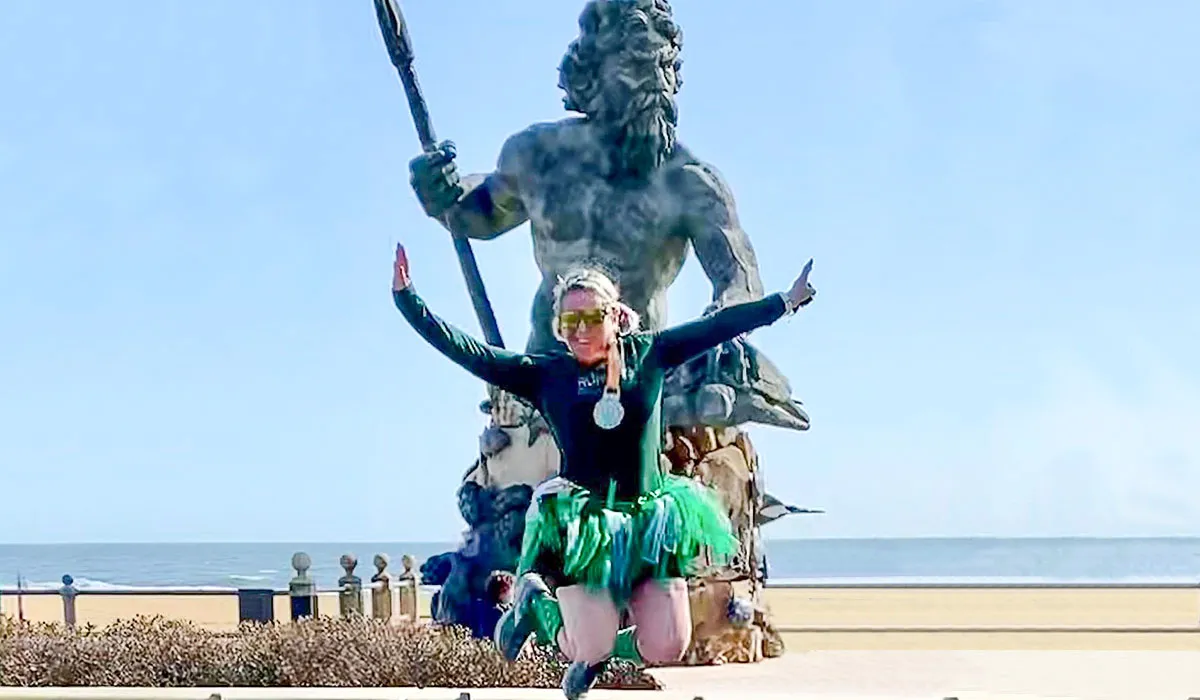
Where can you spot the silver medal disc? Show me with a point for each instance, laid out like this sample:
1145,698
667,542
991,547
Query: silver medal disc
608,412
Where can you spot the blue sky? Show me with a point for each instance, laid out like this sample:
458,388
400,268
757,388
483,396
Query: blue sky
199,202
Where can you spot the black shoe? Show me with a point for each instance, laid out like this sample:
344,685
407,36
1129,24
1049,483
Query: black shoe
519,622
580,678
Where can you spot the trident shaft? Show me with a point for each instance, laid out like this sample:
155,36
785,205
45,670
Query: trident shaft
399,47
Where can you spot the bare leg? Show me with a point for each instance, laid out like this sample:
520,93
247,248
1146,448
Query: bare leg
663,616
590,623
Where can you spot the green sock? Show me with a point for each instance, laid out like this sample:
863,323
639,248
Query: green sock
625,646
547,619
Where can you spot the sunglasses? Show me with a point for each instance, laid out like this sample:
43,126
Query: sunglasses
570,320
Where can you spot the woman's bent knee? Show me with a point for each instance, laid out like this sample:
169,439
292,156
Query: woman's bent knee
590,622
659,646
664,623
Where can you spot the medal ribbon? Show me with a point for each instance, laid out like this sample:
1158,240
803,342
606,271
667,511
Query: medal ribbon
612,381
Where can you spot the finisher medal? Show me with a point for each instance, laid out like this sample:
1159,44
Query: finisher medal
608,412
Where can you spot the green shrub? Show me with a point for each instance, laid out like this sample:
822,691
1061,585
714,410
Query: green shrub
156,652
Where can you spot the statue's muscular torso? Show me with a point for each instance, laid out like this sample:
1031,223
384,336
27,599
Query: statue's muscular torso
633,227
553,175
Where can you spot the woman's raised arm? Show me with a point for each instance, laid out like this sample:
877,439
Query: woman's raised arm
678,344
513,372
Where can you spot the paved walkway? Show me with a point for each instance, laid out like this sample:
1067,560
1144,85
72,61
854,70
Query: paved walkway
1090,675
816,675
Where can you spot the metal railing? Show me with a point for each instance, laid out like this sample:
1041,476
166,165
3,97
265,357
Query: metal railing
257,604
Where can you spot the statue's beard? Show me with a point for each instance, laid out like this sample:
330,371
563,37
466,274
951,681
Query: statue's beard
643,133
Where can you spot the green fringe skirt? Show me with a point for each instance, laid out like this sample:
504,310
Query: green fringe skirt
618,545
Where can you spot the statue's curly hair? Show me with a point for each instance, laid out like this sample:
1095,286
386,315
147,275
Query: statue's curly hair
604,29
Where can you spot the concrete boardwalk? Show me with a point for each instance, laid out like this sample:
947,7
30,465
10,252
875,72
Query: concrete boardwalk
816,675
841,675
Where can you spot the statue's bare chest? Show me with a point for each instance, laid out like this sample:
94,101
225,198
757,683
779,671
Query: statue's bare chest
568,205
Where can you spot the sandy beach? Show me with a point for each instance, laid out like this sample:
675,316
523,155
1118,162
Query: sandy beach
884,607
1008,618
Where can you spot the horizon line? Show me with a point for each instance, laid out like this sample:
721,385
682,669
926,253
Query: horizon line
443,543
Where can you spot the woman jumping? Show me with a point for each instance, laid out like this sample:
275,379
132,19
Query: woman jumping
614,531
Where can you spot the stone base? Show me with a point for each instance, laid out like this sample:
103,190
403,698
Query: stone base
718,639
725,460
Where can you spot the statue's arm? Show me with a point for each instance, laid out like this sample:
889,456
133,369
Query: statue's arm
722,246
491,203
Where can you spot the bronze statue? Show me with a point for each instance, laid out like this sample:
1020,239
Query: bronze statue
612,187
615,187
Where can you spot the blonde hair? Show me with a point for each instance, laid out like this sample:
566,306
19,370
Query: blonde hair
595,279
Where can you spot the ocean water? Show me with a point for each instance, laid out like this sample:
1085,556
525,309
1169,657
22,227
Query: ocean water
267,565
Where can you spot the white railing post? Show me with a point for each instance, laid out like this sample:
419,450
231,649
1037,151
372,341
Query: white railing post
68,593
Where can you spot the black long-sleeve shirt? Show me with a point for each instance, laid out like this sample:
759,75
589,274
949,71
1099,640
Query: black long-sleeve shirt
626,458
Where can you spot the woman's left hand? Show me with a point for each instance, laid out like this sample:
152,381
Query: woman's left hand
802,293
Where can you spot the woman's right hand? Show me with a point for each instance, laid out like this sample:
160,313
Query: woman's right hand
400,278
802,293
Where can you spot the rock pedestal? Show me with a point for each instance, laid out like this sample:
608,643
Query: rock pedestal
516,453
729,622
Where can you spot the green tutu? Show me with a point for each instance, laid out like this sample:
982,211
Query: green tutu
616,545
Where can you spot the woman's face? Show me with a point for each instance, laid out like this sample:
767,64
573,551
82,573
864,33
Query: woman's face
587,325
